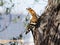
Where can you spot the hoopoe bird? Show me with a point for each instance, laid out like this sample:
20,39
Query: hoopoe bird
33,20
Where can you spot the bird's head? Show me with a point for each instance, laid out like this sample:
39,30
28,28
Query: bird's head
31,11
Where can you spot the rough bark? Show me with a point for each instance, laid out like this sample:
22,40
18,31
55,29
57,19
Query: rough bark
36,36
48,25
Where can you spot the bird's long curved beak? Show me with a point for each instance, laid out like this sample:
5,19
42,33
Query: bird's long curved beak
28,8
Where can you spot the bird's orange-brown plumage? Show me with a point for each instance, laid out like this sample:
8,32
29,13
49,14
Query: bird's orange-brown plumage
33,14
33,20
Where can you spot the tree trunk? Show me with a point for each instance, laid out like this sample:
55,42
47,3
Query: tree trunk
36,36
48,26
